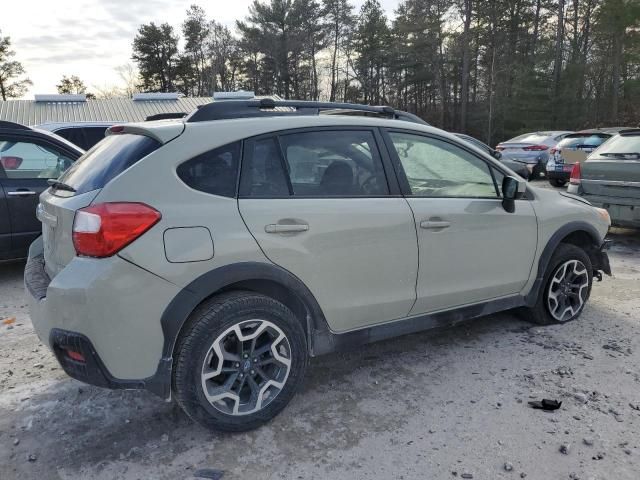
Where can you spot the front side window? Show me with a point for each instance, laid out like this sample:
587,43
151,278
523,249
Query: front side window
31,160
435,168
339,163
213,172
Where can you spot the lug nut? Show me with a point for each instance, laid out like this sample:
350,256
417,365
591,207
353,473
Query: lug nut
253,372
237,365
241,375
245,356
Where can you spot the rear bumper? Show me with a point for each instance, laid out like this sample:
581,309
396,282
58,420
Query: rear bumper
107,309
624,212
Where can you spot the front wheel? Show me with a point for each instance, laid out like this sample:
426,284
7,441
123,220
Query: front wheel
566,287
240,361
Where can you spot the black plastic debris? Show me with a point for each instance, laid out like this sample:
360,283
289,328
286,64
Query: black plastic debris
545,404
209,473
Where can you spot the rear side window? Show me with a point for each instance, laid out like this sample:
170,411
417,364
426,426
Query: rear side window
263,173
334,164
214,172
106,160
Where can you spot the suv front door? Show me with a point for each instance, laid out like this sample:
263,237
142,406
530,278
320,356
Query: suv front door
471,249
320,206
28,163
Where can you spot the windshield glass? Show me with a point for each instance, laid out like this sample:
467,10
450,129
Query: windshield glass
620,144
106,159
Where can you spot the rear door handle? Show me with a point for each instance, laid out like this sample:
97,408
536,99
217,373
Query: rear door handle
21,193
434,224
282,228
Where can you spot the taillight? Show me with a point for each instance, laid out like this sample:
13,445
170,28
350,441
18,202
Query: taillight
576,174
106,228
536,148
10,163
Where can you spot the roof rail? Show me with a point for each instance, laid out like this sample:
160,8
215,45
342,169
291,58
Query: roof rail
165,116
268,107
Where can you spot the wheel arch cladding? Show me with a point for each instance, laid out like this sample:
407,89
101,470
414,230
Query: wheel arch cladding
580,234
267,279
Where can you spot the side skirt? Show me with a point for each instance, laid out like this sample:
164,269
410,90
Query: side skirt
326,341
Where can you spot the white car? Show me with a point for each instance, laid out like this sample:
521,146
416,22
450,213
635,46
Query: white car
532,149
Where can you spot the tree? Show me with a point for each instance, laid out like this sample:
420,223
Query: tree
196,30
71,85
371,42
155,49
130,79
339,22
12,82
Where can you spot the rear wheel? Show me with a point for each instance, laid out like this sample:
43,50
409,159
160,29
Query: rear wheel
239,362
557,182
566,287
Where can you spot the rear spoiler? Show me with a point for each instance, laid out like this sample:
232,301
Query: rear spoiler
160,131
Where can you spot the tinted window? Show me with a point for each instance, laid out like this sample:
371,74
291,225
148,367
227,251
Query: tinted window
334,163
107,159
84,137
435,168
263,172
31,160
214,172
92,135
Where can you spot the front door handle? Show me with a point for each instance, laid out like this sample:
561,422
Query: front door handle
434,224
283,228
21,193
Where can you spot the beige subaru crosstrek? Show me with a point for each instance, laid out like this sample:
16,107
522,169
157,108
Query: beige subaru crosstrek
208,258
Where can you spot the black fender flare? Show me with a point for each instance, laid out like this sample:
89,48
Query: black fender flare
185,302
550,248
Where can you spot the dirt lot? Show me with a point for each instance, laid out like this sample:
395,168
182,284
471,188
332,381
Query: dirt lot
425,406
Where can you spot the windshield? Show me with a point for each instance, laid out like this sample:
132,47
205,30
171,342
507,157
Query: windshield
587,140
107,159
622,145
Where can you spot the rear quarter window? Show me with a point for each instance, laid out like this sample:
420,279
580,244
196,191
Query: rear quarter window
106,160
214,172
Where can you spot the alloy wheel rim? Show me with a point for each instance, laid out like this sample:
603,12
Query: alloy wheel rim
567,290
246,367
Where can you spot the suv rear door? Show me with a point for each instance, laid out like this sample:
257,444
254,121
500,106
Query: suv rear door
29,160
471,249
321,205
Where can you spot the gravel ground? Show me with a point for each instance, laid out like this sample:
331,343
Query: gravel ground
450,404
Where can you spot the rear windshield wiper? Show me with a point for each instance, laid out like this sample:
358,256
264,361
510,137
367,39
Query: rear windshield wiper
60,185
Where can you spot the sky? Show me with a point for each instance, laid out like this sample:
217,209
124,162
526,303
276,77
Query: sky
90,38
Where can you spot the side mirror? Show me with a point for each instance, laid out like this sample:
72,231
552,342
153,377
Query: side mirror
497,155
512,190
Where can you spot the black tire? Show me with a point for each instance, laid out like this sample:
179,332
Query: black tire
538,172
540,313
210,320
556,182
